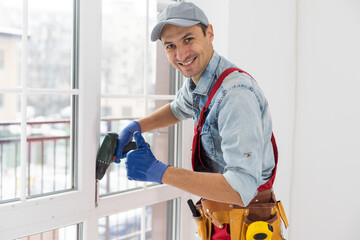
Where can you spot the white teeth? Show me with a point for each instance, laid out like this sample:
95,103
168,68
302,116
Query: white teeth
185,64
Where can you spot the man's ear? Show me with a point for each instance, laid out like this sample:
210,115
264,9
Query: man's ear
210,32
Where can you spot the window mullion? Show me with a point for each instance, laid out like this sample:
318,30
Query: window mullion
145,82
75,46
146,57
143,223
24,77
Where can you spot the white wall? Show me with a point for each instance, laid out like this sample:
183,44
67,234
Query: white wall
218,15
305,54
325,200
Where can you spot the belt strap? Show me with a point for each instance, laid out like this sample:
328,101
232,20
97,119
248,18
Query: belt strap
264,199
282,214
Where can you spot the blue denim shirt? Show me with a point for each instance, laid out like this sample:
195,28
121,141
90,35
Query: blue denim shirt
236,136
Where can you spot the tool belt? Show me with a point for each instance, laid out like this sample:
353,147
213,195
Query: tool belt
263,207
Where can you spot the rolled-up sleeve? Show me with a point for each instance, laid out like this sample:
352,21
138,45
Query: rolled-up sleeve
181,106
240,127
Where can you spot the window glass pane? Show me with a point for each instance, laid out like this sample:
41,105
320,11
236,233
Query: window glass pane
69,232
115,115
126,46
115,180
50,42
123,46
160,79
10,43
126,52
127,225
49,156
120,108
159,221
9,146
161,140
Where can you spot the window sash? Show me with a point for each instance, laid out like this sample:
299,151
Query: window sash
24,92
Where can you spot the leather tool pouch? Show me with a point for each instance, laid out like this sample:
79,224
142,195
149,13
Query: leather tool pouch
264,207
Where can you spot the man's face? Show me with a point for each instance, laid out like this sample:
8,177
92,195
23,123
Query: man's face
187,49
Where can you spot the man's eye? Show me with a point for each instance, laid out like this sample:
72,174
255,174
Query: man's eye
170,46
188,40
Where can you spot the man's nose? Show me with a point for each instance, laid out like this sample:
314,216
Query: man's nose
181,53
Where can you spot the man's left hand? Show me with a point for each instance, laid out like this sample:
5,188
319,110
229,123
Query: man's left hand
141,165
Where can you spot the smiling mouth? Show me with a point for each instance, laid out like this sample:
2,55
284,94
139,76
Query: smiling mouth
187,63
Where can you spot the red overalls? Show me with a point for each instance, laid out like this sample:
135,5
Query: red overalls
196,148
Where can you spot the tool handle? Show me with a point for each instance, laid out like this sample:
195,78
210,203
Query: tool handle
194,212
131,146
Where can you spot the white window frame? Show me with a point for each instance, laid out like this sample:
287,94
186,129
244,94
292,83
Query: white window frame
31,216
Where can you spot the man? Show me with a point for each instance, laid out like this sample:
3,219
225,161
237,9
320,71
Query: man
234,153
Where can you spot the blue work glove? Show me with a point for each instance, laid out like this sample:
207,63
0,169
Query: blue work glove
124,137
141,165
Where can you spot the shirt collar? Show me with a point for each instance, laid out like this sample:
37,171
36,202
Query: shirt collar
207,78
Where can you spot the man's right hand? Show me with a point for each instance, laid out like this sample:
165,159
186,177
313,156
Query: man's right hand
125,136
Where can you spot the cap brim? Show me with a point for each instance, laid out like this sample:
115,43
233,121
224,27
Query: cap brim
156,32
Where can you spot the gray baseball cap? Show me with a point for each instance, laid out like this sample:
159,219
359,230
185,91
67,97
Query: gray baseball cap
183,14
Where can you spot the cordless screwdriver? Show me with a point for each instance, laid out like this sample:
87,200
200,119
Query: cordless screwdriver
106,154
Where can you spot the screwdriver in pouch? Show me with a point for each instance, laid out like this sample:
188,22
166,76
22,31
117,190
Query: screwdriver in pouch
193,210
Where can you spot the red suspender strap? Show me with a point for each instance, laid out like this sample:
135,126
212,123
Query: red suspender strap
196,156
270,183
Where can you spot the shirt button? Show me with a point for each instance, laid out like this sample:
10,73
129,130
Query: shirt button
248,155
196,106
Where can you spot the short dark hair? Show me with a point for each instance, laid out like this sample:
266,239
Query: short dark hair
203,28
